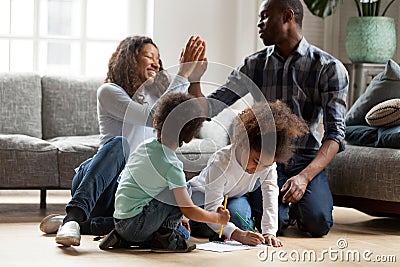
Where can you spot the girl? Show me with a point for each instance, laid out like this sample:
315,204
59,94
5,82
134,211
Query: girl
240,168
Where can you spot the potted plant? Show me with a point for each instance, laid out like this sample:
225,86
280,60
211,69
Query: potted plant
371,36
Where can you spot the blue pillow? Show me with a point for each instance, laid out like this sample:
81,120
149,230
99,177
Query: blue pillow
361,135
389,137
384,86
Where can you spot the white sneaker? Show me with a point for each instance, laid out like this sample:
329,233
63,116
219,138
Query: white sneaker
51,223
69,234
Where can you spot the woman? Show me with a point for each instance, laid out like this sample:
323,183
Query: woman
135,61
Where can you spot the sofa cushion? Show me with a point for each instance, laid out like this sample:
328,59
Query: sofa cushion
384,86
73,150
384,114
27,162
366,172
69,106
20,104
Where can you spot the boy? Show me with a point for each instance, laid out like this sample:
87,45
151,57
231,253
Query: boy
152,194
240,168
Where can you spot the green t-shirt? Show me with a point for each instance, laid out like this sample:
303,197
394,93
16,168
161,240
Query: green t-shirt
150,169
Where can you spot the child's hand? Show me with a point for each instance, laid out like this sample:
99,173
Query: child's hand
271,240
247,237
223,215
185,223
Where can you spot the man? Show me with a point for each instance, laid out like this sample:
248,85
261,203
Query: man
312,83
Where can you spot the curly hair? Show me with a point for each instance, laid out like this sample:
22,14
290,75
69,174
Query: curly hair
253,126
122,66
178,114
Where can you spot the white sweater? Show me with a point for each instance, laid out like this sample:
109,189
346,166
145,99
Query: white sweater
224,176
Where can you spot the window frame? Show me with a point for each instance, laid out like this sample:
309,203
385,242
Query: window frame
142,27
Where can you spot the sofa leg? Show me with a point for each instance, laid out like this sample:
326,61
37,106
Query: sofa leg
43,198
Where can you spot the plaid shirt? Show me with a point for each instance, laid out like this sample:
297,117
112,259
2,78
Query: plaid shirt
310,81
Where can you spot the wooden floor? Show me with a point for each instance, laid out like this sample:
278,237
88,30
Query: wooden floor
354,233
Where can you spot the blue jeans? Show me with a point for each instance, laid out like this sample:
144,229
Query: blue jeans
161,212
250,210
247,206
94,185
313,212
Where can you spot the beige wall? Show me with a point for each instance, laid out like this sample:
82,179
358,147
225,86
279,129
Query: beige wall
230,28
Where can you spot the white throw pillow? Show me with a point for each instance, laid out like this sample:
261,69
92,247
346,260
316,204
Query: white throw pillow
220,128
384,114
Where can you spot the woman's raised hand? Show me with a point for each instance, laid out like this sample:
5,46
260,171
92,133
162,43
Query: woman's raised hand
200,66
193,62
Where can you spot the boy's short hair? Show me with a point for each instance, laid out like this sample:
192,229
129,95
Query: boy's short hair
254,126
178,118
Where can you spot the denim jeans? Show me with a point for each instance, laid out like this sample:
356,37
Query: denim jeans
162,211
247,206
313,212
94,185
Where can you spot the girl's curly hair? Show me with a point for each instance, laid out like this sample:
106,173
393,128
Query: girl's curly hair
253,127
122,67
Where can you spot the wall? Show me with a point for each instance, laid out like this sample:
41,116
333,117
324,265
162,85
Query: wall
215,21
230,28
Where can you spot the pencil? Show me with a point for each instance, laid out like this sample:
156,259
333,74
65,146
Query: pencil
221,227
244,221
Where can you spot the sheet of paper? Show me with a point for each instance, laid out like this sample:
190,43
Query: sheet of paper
225,246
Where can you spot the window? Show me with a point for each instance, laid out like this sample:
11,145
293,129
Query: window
69,37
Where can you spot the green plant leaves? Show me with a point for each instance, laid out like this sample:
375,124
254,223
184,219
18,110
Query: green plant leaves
325,8
322,8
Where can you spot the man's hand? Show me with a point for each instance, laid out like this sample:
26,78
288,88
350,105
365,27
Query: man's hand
295,188
200,66
271,240
247,237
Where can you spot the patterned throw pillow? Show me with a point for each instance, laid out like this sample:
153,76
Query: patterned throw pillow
385,114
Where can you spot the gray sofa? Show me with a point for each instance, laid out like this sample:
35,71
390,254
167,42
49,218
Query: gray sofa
367,179
49,126
366,176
